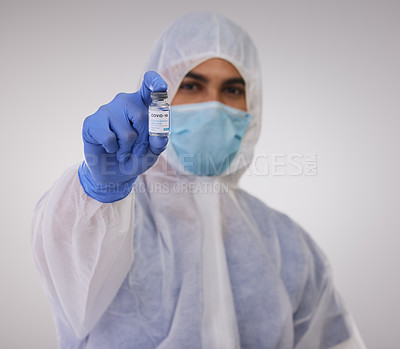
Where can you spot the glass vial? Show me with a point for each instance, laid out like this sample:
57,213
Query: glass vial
159,117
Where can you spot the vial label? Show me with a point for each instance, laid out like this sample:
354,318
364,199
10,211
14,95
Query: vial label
158,121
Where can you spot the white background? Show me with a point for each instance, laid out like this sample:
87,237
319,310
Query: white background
331,87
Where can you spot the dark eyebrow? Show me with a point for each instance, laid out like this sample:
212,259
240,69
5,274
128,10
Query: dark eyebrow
196,77
234,81
203,78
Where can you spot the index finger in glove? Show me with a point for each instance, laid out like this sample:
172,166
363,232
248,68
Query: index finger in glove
96,130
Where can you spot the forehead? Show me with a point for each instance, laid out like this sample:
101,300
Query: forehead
217,68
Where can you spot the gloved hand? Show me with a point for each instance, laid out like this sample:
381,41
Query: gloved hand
117,144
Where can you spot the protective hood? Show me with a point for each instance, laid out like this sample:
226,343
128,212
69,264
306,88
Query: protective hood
195,38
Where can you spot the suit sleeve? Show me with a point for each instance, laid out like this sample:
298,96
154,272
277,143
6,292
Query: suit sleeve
83,250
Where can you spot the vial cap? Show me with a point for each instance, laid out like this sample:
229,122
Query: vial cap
158,95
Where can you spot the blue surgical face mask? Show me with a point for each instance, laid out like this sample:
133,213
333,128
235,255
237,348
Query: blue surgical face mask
207,136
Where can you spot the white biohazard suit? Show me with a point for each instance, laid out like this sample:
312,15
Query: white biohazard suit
187,261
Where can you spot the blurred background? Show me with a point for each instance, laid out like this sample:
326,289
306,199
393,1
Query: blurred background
331,103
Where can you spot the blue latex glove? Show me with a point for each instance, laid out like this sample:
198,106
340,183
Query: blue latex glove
117,144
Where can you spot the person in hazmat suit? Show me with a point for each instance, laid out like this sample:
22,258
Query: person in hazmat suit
138,247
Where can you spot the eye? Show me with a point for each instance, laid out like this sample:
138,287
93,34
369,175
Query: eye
190,86
234,90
